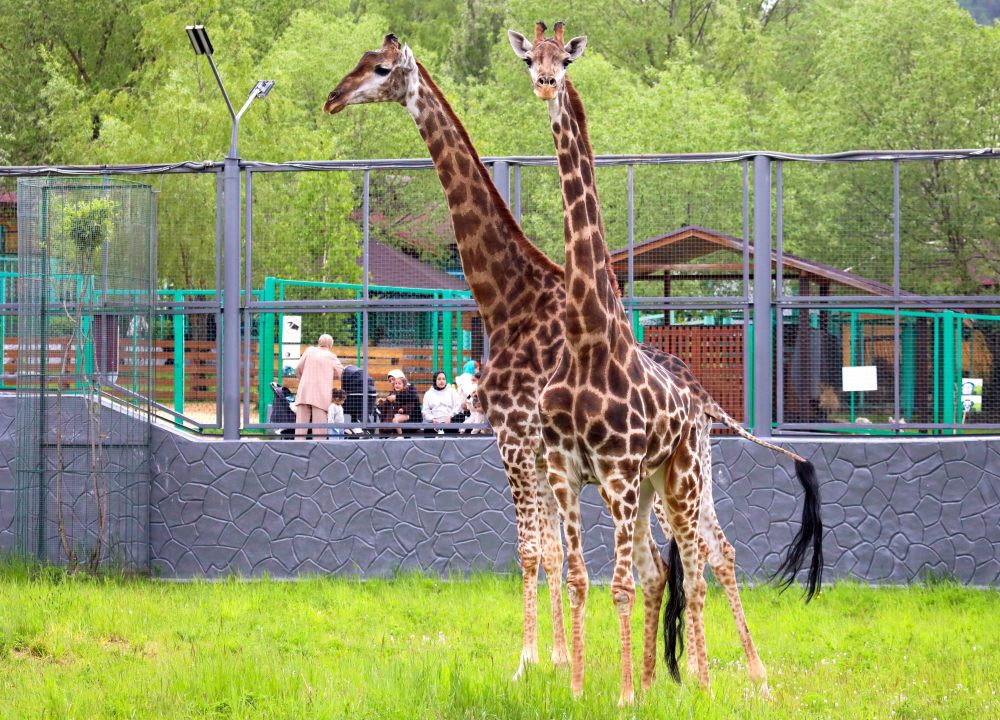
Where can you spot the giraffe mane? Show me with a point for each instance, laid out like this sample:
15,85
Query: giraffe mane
576,104
525,245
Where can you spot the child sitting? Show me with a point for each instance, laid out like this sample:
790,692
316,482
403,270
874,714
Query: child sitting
336,412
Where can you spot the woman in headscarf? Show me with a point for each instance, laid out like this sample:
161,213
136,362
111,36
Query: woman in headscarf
442,401
468,380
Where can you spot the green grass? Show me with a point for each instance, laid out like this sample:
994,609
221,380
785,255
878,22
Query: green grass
79,647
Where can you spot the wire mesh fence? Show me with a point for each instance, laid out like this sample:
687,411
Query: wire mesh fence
882,268
86,271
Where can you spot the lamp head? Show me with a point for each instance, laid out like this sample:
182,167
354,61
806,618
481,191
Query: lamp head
262,88
199,39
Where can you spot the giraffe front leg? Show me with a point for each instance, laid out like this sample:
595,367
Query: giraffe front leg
521,476
624,513
567,498
653,577
552,561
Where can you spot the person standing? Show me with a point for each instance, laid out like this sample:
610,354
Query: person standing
317,369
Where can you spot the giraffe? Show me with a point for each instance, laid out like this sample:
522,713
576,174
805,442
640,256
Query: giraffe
720,553
666,417
521,295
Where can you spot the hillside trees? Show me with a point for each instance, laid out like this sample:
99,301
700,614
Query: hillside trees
112,82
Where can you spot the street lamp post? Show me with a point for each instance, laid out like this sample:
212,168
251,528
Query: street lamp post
231,279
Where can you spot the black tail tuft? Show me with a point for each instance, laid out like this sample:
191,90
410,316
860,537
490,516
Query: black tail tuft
673,616
810,533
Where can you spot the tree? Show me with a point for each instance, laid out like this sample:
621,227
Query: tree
93,44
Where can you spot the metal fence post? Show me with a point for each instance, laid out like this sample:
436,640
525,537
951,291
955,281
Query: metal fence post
179,331
265,363
231,301
501,178
763,362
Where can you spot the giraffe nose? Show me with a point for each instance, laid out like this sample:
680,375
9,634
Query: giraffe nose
331,101
546,81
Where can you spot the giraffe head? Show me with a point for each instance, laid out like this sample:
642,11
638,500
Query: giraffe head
383,75
547,58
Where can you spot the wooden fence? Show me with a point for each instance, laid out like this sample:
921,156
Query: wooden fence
714,354
200,366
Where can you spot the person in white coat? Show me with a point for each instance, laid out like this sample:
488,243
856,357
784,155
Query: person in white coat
442,401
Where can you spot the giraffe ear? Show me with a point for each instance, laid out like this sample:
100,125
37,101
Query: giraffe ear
575,47
407,61
520,43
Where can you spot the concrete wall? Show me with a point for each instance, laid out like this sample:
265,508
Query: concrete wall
126,479
8,453
893,510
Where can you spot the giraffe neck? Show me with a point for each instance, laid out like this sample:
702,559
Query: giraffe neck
594,313
499,262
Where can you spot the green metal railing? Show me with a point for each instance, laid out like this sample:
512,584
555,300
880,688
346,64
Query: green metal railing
947,337
446,334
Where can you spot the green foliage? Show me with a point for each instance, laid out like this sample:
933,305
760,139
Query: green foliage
106,81
88,225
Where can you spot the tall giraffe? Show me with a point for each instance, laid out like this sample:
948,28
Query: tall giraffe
521,295
719,552
667,421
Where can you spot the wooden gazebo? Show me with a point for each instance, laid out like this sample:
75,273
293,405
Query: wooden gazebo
715,352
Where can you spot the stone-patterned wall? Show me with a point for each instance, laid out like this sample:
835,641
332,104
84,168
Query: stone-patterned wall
125,451
8,453
894,510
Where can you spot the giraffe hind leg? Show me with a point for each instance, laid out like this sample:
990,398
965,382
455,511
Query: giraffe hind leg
552,561
653,577
721,556
520,467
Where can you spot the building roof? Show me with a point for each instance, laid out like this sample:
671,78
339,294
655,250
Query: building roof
691,242
389,266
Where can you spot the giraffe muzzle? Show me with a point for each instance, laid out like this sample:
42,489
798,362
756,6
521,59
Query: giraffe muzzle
545,87
334,103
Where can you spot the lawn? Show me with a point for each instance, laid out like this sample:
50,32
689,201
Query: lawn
415,647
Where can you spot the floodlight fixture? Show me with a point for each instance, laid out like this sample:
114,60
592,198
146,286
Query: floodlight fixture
198,36
262,88
203,46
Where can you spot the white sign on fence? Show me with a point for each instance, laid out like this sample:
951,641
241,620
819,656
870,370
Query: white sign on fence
291,329
862,378
972,394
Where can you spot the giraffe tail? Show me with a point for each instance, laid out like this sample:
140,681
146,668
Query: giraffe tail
673,616
810,532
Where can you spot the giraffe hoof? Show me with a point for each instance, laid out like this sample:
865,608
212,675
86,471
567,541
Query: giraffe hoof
765,693
560,658
522,668
626,699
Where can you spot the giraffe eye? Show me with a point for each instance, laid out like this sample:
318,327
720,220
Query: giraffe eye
567,62
382,70
528,62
